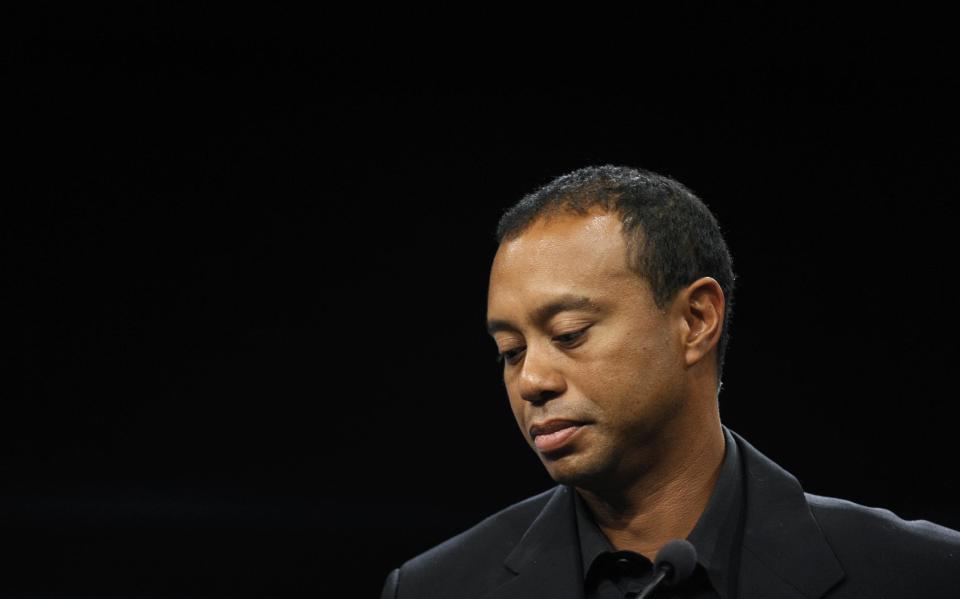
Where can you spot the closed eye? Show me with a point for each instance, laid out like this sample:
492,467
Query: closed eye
508,355
565,339
570,337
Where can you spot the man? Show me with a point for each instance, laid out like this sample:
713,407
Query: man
610,300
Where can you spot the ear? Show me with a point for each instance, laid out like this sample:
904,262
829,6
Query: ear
702,304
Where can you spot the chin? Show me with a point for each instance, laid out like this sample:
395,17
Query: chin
570,469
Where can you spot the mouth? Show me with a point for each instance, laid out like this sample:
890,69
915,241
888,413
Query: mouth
554,434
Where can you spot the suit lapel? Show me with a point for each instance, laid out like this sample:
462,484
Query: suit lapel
784,556
784,551
546,561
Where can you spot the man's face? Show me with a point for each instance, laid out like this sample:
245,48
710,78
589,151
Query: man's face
587,354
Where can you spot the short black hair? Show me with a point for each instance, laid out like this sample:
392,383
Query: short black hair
672,237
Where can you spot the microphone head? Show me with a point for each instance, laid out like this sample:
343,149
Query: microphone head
678,557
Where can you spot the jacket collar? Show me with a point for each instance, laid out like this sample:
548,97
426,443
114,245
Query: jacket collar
784,553
546,561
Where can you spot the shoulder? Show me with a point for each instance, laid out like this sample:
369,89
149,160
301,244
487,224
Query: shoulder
915,554
843,520
495,536
473,558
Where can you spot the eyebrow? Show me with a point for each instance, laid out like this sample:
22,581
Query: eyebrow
564,303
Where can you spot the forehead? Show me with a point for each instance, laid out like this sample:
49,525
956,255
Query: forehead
565,254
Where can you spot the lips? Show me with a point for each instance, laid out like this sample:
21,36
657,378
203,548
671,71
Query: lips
551,426
553,435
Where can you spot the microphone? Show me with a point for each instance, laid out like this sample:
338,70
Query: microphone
674,564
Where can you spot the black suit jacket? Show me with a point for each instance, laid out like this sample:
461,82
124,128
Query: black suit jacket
795,545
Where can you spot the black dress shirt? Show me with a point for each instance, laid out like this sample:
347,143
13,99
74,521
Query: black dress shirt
612,574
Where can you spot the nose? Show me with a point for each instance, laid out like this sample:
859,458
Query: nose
539,380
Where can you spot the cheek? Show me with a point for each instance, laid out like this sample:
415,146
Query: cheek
516,406
634,371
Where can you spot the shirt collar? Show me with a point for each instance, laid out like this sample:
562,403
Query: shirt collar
715,536
593,542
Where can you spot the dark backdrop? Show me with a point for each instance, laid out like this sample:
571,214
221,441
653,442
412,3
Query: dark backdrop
246,262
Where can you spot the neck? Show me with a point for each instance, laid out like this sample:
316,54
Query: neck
666,500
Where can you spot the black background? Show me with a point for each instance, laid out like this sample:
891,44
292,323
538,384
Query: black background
246,263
